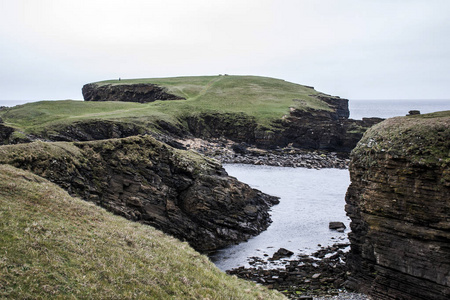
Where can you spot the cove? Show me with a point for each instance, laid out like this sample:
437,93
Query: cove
309,200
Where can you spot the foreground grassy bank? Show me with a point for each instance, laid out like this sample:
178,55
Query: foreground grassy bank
55,246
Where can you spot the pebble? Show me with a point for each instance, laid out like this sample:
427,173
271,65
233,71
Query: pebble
226,151
344,296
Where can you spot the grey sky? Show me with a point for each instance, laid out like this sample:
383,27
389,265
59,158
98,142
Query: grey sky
384,49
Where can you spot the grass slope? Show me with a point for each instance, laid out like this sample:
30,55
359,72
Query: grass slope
266,99
55,246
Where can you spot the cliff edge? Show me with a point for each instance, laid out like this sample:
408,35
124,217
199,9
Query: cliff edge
399,205
141,92
180,192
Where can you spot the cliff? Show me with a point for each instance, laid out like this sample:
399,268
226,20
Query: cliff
399,205
304,129
140,92
179,192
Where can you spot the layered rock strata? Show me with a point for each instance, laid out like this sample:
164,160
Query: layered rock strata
180,192
399,205
138,92
311,129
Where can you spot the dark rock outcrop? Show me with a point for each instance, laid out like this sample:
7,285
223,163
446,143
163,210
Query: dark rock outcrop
91,130
5,134
399,205
139,92
304,129
179,192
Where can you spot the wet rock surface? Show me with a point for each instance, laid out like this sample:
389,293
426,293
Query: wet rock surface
303,276
338,226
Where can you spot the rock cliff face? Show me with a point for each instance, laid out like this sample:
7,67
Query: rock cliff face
142,93
5,134
313,129
399,204
179,192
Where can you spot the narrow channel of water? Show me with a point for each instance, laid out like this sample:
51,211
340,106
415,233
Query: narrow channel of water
309,200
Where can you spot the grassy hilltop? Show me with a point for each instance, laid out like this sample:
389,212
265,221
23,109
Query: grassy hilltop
423,139
55,246
264,99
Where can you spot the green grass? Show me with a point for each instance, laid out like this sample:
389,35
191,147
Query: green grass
55,246
265,99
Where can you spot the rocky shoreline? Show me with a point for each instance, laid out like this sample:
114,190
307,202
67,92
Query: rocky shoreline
228,152
322,274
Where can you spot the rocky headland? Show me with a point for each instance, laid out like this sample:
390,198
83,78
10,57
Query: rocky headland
399,206
180,192
312,121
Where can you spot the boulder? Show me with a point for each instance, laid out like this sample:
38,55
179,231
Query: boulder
339,226
281,253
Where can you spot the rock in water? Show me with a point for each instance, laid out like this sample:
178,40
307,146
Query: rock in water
339,226
399,205
282,252
180,192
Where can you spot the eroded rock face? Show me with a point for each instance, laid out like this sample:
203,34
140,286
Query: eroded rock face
139,92
311,129
399,203
179,192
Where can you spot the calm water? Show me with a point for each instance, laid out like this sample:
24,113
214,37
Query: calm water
310,199
394,108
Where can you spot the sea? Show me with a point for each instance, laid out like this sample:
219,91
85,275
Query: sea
309,199
394,108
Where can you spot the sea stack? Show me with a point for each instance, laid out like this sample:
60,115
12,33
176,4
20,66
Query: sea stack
399,206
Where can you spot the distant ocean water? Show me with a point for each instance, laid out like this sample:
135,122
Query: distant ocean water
394,108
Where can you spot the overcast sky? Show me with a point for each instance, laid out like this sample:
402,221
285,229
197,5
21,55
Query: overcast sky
379,49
